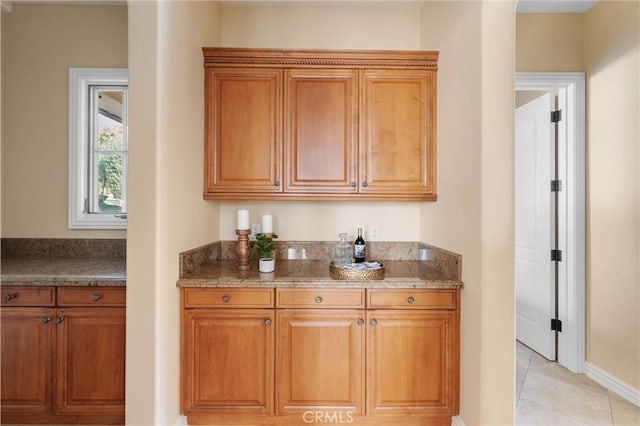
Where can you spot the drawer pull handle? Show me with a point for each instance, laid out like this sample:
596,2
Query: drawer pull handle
45,320
318,299
365,184
267,322
410,300
9,297
96,297
59,320
373,322
360,321
353,184
276,183
225,299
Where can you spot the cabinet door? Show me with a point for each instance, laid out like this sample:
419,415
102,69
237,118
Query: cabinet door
228,361
90,361
320,131
320,361
411,363
243,125
398,130
26,360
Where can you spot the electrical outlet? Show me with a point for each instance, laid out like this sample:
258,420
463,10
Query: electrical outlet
255,229
373,233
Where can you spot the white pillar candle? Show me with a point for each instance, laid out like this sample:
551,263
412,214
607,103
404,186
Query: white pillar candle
243,219
267,224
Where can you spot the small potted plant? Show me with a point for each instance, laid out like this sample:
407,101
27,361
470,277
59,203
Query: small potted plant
264,245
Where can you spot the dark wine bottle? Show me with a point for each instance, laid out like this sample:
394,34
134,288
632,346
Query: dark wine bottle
359,248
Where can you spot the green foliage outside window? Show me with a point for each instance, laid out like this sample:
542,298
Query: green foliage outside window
110,167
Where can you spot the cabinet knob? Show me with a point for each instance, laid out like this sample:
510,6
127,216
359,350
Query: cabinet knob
59,320
373,322
225,299
360,321
267,322
365,184
96,297
45,320
9,297
353,184
277,183
318,299
410,300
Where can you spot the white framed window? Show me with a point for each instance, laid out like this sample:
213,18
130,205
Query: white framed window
98,147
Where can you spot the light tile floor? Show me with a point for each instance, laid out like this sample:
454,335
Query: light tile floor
549,394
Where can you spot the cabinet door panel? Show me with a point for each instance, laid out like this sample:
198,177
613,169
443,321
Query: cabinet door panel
91,361
320,130
320,361
398,132
26,359
410,362
228,361
243,142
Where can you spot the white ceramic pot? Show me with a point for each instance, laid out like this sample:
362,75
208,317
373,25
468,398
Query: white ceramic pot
267,264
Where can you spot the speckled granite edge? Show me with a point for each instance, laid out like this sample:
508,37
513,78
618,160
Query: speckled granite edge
36,248
322,283
62,282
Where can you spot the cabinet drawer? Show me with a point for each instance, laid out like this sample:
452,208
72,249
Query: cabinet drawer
28,296
92,296
412,299
228,297
319,298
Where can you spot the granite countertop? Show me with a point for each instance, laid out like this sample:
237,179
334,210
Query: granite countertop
63,272
314,274
63,262
306,265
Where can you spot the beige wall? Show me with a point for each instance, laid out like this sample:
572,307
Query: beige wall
167,213
549,42
612,38
604,44
41,42
474,212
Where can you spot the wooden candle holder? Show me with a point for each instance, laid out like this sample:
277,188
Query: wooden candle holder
242,249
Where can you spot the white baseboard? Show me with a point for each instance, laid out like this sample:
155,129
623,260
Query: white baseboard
457,421
181,421
613,384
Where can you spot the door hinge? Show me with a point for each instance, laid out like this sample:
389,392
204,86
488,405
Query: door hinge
556,116
556,325
556,255
556,185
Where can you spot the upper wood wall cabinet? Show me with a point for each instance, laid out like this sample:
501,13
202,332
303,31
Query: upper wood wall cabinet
322,125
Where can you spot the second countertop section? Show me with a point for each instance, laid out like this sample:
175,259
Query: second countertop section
306,265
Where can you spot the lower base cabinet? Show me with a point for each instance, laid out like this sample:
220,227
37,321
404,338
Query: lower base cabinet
410,362
320,356
64,362
228,360
320,361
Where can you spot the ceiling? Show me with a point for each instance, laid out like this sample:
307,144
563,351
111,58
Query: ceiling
554,6
523,6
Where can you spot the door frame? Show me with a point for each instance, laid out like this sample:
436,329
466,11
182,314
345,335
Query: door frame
571,210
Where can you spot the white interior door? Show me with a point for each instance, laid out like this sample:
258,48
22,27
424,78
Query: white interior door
535,219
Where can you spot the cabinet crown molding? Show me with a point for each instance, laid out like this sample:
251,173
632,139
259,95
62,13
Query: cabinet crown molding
405,59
